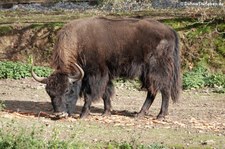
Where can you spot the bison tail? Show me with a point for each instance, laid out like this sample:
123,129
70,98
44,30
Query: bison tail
176,80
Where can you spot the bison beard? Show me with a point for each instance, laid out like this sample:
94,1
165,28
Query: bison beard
90,53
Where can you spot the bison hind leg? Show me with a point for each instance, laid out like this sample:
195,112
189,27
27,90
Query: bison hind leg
148,102
165,104
109,91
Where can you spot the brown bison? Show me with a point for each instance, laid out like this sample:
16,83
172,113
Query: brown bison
90,53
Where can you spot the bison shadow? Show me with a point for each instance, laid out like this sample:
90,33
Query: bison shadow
35,108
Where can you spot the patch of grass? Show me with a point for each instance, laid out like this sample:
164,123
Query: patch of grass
21,138
5,30
48,25
89,134
2,105
24,140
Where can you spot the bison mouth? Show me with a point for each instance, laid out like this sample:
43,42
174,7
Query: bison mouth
59,115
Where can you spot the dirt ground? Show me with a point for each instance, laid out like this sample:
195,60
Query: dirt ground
197,120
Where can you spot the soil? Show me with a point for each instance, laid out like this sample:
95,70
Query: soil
197,120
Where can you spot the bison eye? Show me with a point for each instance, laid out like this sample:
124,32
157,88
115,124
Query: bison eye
67,91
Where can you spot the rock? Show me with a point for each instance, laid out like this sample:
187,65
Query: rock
208,142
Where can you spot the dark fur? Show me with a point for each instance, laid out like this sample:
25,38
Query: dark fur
129,48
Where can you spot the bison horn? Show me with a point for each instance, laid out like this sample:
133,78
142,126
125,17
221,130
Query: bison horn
74,78
39,79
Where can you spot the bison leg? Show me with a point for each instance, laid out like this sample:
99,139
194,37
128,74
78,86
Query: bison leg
165,104
148,102
106,98
107,106
86,108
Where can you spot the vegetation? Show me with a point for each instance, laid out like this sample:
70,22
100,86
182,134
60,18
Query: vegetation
200,77
2,105
24,139
18,70
197,78
202,42
202,39
201,32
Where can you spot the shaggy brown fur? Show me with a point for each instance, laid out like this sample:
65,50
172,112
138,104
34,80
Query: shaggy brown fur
109,48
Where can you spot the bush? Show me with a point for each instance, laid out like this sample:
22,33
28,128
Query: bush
17,70
200,77
195,78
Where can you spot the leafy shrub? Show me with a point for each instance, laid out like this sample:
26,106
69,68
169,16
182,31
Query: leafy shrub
17,70
215,80
200,77
194,78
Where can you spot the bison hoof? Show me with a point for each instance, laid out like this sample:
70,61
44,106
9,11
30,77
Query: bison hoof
59,115
106,113
84,114
160,117
140,114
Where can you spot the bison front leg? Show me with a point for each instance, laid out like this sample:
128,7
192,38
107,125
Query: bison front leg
107,106
165,104
148,102
86,108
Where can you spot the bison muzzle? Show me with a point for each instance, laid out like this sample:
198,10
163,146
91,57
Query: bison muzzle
90,53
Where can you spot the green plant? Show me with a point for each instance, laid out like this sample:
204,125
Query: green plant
22,138
5,30
200,77
157,146
215,80
18,70
130,145
195,78
2,105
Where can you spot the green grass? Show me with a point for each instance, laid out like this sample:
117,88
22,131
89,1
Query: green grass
4,30
25,141
17,133
28,136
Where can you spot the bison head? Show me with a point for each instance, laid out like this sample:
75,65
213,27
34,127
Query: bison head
63,89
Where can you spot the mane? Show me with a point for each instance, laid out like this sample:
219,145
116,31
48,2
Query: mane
63,57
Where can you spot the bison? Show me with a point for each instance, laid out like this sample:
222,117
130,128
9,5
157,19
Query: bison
89,53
